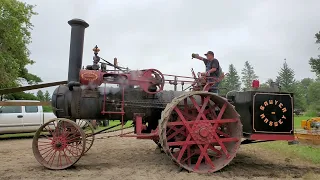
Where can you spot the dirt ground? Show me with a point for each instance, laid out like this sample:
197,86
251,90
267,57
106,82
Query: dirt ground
128,158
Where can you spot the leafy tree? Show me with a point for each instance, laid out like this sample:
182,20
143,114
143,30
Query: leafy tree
232,80
315,62
222,87
47,96
21,96
285,78
267,83
40,96
248,75
15,26
313,97
306,82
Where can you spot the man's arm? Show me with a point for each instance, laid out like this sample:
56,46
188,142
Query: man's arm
198,57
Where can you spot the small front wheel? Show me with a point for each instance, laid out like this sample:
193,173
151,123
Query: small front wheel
59,144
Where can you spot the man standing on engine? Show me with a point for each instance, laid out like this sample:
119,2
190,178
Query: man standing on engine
213,69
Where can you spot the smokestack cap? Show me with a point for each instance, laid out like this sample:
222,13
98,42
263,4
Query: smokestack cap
80,22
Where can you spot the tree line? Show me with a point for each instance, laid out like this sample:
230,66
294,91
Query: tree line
306,91
29,96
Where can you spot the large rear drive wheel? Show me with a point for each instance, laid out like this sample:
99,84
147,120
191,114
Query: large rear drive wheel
200,131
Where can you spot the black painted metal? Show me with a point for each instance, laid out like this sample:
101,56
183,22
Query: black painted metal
76,50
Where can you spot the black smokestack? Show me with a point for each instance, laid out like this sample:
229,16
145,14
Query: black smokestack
76,50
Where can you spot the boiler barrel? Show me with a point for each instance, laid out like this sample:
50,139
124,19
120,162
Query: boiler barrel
89,104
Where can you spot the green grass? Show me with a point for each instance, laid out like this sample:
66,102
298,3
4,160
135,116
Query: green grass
307,153
112,123
28,135
19,135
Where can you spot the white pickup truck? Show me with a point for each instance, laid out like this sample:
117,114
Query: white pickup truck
22,119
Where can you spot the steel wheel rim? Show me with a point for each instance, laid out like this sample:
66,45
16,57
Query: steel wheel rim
202,136
88,129
67,143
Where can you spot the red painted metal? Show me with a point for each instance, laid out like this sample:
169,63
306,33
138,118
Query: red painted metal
272,137
255,84
90,77
153,77
138,124
206,141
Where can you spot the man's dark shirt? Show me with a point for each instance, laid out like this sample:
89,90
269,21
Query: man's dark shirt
213,64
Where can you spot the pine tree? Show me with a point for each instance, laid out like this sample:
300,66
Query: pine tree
248,75
47,96
232,81
315,62
285,78
40,95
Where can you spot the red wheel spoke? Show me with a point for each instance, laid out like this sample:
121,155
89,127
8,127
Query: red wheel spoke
53,157
45,148
182,119
212,110
177,131
188,116
196,167
47,151
223,147
184,147
44,142
44,159
66,157
76,147
222,110
188,158
200,111
205,155
215,150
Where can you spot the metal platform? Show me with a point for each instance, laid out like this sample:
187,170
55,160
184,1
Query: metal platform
308,136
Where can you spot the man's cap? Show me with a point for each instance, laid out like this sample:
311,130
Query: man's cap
209,52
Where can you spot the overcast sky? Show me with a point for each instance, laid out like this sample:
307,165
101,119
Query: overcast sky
163,34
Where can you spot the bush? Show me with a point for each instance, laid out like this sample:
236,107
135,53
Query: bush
311,113
47,109
313,110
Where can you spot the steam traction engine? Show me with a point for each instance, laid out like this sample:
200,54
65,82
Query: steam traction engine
198,130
